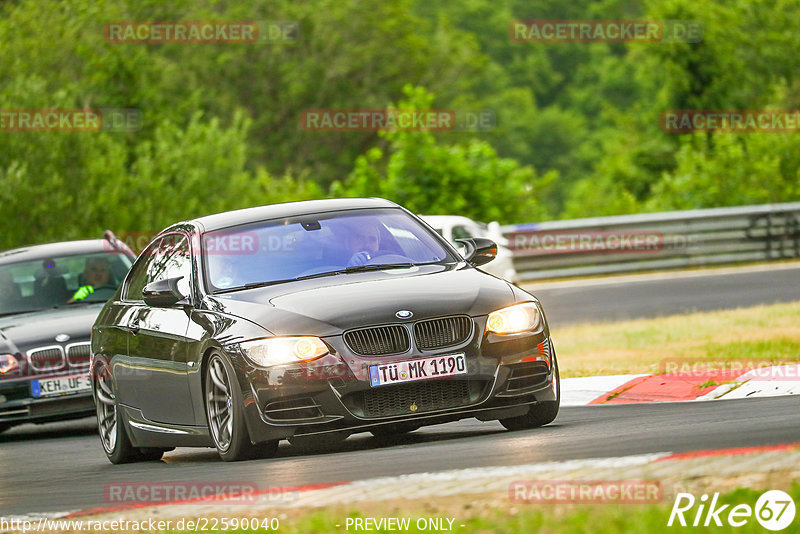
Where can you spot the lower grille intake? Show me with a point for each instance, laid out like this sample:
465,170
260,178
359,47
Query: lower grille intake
528,375
293,409
421,397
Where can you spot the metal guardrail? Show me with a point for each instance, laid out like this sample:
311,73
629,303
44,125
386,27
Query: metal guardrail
655,241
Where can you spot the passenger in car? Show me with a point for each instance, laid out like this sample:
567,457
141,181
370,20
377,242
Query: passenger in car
49,286
9,290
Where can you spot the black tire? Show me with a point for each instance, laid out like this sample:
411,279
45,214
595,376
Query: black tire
538,414
225,411
388,431
110,426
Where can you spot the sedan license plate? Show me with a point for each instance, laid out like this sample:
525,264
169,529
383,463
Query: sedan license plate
60,386
420,369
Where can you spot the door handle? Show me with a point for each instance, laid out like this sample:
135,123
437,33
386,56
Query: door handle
134,327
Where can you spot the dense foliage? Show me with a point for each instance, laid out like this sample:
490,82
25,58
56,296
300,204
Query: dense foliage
577,130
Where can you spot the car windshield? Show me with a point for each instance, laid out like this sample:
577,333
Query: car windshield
317,245
61,280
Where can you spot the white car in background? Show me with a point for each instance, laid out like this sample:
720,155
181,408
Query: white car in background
453,227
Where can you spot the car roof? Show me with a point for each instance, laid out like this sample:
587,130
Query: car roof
287,209
51,250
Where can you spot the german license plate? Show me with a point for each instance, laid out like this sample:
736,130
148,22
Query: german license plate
52,387
419,369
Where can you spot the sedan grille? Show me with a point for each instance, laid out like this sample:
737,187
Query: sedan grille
421,397
78,354
47,358
378,341
441,333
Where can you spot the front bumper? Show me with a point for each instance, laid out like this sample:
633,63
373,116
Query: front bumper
505,376
19,406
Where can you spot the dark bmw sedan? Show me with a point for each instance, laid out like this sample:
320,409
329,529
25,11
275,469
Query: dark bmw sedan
310,321
50,296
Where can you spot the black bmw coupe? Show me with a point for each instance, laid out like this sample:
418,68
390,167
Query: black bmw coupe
310,321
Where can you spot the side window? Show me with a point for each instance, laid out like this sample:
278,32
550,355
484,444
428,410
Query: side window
168,257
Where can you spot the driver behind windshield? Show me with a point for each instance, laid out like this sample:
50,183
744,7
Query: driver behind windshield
96,275
362,242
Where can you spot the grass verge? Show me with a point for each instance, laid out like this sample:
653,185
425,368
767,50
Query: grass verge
505,517
768,334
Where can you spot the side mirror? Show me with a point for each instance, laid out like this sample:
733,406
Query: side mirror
479,250
163,293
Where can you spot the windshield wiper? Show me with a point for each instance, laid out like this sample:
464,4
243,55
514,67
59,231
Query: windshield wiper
347,270
74,302
254,285
376,267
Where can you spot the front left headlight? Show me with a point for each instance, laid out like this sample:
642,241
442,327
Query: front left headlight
515,319
282,350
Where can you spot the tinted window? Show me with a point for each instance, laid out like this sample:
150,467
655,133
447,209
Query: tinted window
289,248
168,256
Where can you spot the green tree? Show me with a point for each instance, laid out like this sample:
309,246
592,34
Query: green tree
425,176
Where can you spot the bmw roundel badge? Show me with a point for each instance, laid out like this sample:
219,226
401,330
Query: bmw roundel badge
404,314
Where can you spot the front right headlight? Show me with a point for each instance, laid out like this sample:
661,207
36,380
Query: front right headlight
282,350
515,319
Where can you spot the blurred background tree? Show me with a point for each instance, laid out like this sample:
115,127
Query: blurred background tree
577,123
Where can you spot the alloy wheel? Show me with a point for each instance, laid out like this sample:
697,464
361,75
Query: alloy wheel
219,403
106,408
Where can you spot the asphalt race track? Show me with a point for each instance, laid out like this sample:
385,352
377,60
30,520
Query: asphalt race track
607,300
61,467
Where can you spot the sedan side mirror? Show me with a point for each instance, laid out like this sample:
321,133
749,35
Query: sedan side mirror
163,293
479,250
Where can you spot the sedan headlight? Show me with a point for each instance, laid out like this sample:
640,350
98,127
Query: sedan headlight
282,350
514,319
8,364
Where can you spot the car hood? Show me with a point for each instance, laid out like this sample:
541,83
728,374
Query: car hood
18,333
327,306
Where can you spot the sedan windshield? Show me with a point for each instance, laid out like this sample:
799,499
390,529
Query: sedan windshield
45,283
276,251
